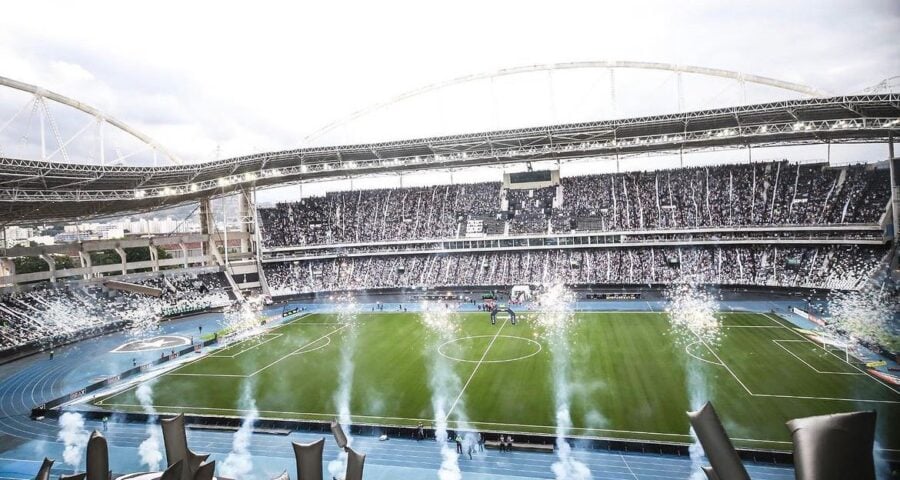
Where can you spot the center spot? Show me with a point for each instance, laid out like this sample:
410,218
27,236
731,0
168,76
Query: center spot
506,348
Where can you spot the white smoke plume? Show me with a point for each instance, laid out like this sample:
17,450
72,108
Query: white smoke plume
692,315
150,449
868,315
556,317
239,462
347,315
74,436
445,387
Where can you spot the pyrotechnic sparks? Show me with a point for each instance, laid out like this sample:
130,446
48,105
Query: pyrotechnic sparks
555,320
348,310
692,313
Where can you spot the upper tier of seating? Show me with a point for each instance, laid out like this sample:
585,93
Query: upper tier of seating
777,193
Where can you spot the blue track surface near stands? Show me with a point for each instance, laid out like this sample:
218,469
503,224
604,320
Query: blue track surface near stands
33,380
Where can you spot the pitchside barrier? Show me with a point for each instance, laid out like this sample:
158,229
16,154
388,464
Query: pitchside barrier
522,441
44,408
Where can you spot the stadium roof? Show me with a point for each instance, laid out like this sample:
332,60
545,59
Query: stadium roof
36,191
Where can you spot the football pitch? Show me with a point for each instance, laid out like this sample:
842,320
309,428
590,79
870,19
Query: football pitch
629,377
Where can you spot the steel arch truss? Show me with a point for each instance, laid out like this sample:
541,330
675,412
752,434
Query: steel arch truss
59,191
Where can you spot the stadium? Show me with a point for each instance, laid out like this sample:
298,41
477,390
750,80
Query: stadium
551,296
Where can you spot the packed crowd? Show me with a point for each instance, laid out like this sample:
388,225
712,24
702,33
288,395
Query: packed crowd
757,194
776,193
52,314
375,215
838,267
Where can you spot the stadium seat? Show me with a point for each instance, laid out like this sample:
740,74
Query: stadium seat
309,459
175,439
833,447
205,471
44,471
339,436
710,473
716,444
97,463
355,462
173,472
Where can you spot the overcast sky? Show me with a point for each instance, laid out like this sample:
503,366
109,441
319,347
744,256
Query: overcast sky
241,77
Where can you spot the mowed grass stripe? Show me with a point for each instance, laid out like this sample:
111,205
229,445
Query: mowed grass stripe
627,374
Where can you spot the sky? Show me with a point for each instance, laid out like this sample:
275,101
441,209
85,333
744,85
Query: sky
218,79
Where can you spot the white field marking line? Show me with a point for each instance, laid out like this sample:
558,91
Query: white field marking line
272,335
807,364
892,389
523,357
201,357
301,348
723,364
749,326
475,370
687,350
800,397
314,349
298,351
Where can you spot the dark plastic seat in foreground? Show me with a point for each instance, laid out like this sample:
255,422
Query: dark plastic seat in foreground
716,445
173,472
710,473
309,459
97,464
44,471
339,436
833,447
175,440
206,471
355,462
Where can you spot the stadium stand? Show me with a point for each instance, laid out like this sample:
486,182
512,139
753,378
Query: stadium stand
46,313
836,267
760,194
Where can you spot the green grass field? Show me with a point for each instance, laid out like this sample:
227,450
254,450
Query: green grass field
628,376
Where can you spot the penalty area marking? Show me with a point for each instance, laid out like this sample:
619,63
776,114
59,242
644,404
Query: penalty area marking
778,342
687,349
892,389
298,351
505,360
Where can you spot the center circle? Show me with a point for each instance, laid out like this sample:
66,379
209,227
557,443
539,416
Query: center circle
528,346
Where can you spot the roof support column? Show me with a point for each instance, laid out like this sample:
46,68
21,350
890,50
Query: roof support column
894,163
154,257
7,267
51,262
86,263
124,258
208,227
184,254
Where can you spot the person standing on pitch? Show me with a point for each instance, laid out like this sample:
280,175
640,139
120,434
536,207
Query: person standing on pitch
458,444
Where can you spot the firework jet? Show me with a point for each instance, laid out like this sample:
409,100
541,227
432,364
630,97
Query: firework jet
239,462
445,387
149,450
556,318
74,436
692,314
347,315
